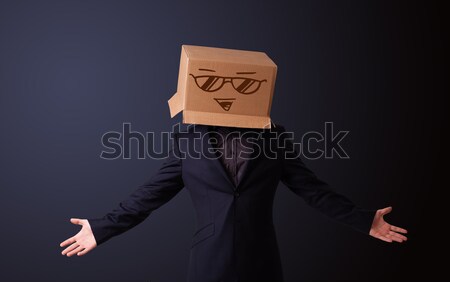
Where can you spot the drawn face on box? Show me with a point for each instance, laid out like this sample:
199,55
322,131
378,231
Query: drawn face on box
211,82
229,88
225,87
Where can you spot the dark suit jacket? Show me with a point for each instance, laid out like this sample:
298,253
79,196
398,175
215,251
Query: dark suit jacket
235,239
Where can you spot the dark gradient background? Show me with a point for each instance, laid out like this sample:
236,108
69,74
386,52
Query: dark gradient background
72,70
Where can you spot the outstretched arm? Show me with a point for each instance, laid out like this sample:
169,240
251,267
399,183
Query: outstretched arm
154,193
318,194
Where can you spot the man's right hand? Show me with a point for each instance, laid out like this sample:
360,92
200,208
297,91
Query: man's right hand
83,242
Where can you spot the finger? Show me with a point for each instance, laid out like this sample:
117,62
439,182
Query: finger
385,211
83,252
78,249
392,233
70,248
67,242
396,239
384,238
398,229
76,221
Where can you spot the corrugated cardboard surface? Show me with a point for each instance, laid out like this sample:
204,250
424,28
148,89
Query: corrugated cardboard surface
193,117
222,55
226,102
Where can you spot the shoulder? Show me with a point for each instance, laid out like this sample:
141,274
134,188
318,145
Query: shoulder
276,127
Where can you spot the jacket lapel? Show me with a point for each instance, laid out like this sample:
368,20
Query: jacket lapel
208,152
255,156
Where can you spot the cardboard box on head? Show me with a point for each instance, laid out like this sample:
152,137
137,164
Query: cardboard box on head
224,87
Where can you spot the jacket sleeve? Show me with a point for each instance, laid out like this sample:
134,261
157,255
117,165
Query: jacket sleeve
155,192
317,193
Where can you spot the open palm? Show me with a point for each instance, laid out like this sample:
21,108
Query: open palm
82,242
384,231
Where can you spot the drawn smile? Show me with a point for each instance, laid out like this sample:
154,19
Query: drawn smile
225,103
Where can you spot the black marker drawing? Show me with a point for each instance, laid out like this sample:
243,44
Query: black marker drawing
213,83
225,103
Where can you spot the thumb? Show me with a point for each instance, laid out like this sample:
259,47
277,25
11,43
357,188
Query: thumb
76,221
385,211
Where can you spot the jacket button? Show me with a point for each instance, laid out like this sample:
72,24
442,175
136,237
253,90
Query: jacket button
236,194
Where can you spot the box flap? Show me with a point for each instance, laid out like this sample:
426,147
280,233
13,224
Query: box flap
175,104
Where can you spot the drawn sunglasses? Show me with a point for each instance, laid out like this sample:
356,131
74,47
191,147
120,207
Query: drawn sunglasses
243,85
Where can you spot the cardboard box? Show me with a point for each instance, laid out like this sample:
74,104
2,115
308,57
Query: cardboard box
224,87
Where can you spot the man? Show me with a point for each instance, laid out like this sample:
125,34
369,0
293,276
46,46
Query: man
232,175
